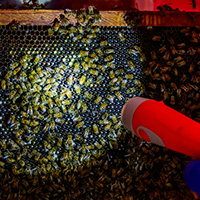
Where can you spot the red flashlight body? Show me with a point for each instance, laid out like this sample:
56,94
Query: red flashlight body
157,123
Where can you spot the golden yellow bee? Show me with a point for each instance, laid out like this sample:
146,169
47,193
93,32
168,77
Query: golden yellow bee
131,65
93,72
3,84
78,37
47,87
129,76
68,93
19,132
98,100
66,102
88,95
86,132
34,123
99,52
84,107
130,90
110,97
37,59
119,96
95,128
50,32
108,58
47,126
83,53
39,71
57,115
82,80
42,107
88,82
103,43
58,102
137,82
85,65
79,104
12,94
8,75
16,70
64,109
114,118
113,81
80,124
103,106
114,88
86,41
25,121
13,65
107,127
121,37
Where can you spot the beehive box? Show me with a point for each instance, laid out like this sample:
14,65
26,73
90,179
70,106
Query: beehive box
74,145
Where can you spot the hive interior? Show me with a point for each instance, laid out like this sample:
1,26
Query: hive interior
114,164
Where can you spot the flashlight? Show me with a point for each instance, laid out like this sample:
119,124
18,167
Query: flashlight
157,123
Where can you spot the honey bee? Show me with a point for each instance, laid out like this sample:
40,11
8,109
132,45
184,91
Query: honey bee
12,94
88,95
80,124
16,70
84,107
181,63
114,80
25,121
66,102
3,84
121,37
108,51
79,104
36,60
137,82
172,100
118,95
69,94
129,76
98,100
110,97
156,38
103,106
108,58
131,90
86,41
107,127
124,82
19,132
99,52
103,43
8,75
50,32
42,107
64,20
86,132
34,123
58,115
76,67
114,88
78,37
13,65
112,74
82,80
88,82
95,128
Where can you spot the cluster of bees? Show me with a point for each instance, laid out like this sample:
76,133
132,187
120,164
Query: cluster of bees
61,135
66,114
173,70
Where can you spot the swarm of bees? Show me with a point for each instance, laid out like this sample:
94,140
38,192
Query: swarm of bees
173,71
61,136
64,115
